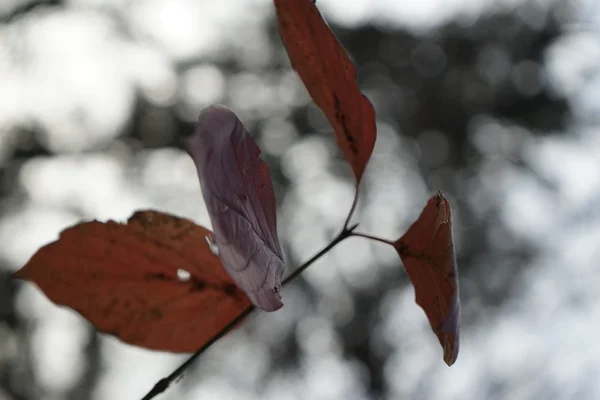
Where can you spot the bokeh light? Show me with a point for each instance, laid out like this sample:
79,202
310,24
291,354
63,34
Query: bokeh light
494,102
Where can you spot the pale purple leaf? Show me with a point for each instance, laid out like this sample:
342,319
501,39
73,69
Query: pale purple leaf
236,185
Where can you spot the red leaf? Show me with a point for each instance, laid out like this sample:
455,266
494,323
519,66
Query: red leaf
124,279
427,252
236,185
330,78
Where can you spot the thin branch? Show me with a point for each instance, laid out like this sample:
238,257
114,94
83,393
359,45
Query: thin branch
164,383
345,233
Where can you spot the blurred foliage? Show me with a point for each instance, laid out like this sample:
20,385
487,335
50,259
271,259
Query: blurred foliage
438,90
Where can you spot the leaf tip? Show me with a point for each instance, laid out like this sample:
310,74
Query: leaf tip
18,274
448,332
213,109
450,346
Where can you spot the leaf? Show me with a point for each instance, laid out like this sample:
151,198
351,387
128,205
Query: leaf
124,279
236,185
427,252
330,78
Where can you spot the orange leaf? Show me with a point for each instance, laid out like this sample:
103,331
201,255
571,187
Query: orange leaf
330,78
427,252
124,279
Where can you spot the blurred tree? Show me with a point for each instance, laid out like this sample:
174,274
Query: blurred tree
439,90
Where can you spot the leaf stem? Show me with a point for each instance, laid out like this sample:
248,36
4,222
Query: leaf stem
164,383
345,233
370,237
352,208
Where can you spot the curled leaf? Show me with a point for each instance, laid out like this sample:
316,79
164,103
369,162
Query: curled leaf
152,282
427,252
330,78
236,185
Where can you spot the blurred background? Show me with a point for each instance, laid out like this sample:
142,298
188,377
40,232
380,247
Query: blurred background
494,102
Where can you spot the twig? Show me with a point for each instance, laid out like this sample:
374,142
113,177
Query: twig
345,233
164,383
